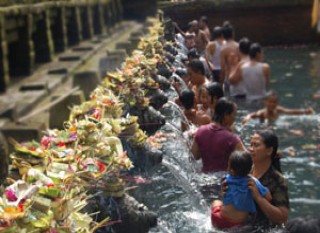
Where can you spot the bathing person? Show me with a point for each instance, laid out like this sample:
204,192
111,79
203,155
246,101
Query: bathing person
254,74
201,40
208,97
272,110
231,46
237,90
196,72
213,143
267,169
237,201
204,26
193,54
187,99
213,51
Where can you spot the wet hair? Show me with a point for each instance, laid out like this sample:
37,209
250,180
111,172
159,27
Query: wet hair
244,45
255,48
215,90
303,224
223,107
227,30
204,19
197,66
216,32
187,98
181,72
270,139
193,53
241,163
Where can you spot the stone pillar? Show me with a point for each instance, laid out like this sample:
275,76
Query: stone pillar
98,24
21,52
4,69
74,29
119,9
42,38
86,21
87,81
59,29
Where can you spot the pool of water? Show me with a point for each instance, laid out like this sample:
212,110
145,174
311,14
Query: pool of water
181,195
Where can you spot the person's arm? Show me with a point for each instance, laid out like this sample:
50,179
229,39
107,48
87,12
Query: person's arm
205,39
251,116
288,111
179,29
236,74
223,64
266,72
276,214
195,150
240,146
209,51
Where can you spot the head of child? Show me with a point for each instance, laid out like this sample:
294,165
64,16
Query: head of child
204,97
271,101
215,92
187,98
240,163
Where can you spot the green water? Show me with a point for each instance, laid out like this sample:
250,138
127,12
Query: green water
296,77
181,195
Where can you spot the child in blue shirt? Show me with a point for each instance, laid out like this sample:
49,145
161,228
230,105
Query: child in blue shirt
238,201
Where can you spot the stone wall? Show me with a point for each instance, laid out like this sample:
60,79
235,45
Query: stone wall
32,31
272,22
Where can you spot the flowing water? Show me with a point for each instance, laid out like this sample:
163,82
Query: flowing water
181,195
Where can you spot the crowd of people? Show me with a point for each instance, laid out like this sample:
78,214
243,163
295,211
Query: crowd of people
222,73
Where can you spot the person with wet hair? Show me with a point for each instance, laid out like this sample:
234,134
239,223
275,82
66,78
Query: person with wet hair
272,110
267,169
213,51
204,26
198,118
237,90
237,201
193,54
209,95
254,74
213,143
196,72
231,47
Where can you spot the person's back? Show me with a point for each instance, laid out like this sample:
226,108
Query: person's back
255,74
238,201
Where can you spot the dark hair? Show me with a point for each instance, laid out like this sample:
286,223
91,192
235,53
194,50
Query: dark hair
255,48
227,30
215,90
244,45
197,66
241,163
270,139
193,53
181,72
216,32
303,225
204,19
187,98
222,108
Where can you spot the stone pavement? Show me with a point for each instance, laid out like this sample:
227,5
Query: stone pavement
83,65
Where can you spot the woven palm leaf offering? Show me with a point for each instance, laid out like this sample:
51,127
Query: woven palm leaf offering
27,155
131,131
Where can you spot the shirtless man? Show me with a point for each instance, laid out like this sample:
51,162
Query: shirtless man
196,72
204,26
231,46
201,40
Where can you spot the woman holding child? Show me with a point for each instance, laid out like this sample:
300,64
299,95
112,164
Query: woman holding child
266,168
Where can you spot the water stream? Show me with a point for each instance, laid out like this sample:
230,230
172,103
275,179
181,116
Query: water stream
181,195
